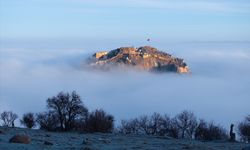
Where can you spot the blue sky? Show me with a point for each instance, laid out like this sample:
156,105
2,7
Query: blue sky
43,44
177,20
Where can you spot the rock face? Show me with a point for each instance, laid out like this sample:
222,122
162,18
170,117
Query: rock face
142,58
24,139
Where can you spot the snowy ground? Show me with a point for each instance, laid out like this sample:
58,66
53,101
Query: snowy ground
98,141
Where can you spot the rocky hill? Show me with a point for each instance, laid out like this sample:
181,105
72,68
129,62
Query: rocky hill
142,58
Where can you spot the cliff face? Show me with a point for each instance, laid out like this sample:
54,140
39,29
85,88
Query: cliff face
142,58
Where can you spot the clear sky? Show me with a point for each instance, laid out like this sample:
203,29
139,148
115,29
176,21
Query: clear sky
181,20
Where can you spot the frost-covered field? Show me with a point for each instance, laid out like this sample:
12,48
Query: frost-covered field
99,141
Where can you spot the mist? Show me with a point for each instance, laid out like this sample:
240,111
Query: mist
217,88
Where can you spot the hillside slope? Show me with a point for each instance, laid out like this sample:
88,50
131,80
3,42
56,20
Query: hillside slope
41,140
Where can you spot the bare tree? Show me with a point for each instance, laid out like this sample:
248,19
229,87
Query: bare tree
124,128
209,131
173,130
155,124
183,125
134,126
28,120
144,124
186,122
130,127
8,118
202,131
156,121
217,132
244,129
67,108
48,121
165,127
99,121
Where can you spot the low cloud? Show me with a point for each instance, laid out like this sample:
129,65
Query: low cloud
217,89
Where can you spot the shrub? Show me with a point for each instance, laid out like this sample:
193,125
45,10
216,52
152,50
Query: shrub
8,118
244,129
217,132
155,124
173,131
209,131
202,131
186,123
48,121
28,120
183,125
129,127
99,121
144,124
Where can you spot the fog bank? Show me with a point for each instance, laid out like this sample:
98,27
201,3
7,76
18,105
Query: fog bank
217,89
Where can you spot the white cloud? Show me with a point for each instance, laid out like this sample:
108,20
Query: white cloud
216,84
178,5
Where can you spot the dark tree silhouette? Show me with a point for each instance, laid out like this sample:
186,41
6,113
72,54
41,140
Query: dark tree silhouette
217,132
202,131
209,131
8,118
186,123
129,127
173,130
48,121
167,127
155,124
67,108
28,120
244,129
183,125
144,124
99,121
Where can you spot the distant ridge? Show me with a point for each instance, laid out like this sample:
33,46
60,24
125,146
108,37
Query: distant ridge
143,58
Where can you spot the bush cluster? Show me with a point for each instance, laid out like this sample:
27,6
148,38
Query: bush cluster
66,112
183,125
244,129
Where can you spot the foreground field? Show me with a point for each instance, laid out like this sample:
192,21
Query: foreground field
98,141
